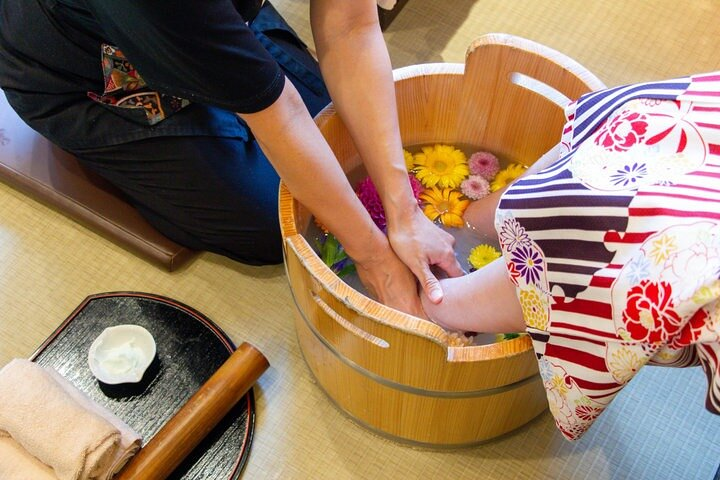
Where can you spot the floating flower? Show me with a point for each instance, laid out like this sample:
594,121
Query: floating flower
442,165
475,187
334,256
482,255
459,339
506,176
501,337
416,186
445,204
484,164
409,160
368,195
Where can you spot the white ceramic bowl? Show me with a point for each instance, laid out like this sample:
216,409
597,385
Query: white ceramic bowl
121,354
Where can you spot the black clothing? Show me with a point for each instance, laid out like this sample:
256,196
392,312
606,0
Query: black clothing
198,51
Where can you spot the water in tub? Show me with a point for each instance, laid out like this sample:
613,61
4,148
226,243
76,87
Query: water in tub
465,240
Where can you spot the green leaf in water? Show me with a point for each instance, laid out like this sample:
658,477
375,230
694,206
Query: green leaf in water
347,269
334,256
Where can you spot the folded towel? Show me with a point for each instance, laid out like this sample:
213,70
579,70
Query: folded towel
56,423
18,464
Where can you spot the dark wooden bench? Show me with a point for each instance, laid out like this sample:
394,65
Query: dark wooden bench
34,166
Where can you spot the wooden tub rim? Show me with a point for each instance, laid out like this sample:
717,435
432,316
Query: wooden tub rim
405,388
369,308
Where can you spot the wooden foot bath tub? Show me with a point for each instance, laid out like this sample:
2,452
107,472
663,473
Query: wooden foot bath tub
395,373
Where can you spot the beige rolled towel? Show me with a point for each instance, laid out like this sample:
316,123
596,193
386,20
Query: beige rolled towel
57,424
17,464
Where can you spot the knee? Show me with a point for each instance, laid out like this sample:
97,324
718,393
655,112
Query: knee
256,244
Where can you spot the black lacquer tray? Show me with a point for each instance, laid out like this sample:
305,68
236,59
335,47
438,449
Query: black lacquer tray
190,348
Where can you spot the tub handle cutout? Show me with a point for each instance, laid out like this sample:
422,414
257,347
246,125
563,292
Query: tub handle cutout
347,325
539,87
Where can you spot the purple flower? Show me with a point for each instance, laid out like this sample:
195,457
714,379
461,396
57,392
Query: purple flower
629,174
416,186
528,263
368,195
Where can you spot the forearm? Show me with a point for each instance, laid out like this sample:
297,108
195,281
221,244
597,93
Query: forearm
357,70
301,156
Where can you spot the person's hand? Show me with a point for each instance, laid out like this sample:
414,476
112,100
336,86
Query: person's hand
420,244
390,282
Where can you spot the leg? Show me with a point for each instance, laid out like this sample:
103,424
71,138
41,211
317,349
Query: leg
206,193
215,194
482,301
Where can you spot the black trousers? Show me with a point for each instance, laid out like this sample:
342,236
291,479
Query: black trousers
211,193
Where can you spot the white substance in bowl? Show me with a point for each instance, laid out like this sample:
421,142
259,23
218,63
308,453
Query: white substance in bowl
121,354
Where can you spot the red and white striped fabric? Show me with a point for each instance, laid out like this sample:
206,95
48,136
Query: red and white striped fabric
615,249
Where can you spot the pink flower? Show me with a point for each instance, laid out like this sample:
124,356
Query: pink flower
416,186
368,195
484,164
475,187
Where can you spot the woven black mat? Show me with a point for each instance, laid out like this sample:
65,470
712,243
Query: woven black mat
190,348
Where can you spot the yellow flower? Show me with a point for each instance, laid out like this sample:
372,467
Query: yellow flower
534,308
409,160
624,364
707,293
506,176
446,204
482,255
558,384
441,165
662,248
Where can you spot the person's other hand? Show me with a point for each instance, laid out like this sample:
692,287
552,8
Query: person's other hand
420,244
390,282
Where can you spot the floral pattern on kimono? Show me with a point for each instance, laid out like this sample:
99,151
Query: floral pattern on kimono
615,249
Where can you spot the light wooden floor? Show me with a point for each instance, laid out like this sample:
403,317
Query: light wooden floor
657,429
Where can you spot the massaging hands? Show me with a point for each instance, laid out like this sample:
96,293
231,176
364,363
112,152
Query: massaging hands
389,281
391,271
420,244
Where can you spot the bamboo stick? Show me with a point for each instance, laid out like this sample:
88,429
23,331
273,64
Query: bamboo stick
177,438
